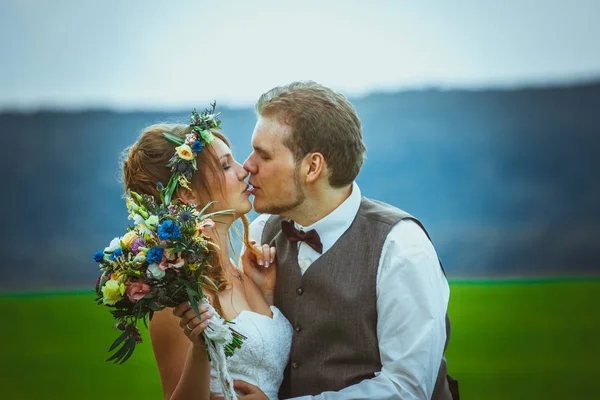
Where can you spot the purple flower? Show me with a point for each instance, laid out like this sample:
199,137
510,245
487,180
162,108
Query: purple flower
137,243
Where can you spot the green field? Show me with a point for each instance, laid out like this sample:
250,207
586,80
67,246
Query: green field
510,340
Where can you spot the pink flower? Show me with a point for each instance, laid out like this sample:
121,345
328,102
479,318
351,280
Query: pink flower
180,263
164,264
137,290
175,261
207,223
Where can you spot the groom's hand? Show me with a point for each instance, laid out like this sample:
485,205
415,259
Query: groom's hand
248,391
260,265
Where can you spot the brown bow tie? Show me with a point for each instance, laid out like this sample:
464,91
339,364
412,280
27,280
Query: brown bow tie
293,235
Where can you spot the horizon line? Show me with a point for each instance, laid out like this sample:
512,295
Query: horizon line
356,96
475,280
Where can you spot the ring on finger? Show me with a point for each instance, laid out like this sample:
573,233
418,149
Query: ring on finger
188,326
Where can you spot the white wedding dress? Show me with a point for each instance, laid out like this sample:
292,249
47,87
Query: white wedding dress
264,354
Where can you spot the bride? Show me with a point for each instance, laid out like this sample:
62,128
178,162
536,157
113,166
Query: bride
178,345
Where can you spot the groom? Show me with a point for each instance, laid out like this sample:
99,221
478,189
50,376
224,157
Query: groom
358,279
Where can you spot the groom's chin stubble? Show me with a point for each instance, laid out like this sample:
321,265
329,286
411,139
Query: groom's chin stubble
277,209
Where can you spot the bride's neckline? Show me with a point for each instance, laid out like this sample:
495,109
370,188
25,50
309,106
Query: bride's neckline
255,313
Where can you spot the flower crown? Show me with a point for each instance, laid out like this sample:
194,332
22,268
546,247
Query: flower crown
183,162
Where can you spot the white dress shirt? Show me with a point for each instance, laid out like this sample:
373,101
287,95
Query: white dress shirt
412,300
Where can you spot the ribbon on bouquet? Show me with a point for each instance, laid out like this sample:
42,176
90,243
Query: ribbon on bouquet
218,336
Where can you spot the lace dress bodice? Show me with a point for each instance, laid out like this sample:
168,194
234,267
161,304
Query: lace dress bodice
264,354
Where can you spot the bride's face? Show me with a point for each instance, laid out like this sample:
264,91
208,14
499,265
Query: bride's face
235,189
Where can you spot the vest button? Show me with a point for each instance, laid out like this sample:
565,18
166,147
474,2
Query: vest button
299,291
298,328
294,364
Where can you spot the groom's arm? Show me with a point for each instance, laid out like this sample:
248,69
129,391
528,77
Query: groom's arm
412,300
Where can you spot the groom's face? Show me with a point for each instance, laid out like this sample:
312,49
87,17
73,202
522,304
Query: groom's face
273,171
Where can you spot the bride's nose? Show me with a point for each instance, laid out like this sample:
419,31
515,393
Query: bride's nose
242,173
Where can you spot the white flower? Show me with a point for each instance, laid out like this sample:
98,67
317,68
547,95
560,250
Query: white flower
137,219
217,331
114,245
152,221
155,271
144,230
190,139
180,263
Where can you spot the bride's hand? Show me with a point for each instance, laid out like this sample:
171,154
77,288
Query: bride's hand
190,323
260,265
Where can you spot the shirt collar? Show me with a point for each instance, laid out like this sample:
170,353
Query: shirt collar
331,227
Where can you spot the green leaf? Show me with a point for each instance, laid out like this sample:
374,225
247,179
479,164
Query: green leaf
122,337
174,139
207,278
130,349
140,199
170,189
161,193
119,354
192,295
205,207
230,211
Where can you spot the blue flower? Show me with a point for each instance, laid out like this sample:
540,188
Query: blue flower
185,216
98,256
168,230
117,253
197,146
155,255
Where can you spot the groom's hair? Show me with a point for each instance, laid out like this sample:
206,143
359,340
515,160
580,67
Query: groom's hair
322,121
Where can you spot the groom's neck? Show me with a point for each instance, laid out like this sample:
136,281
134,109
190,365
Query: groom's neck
319,203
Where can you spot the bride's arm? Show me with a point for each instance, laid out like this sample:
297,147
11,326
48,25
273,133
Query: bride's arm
182,362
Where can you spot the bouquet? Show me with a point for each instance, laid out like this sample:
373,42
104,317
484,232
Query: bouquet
160,262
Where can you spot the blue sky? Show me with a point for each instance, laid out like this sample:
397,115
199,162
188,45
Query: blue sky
166,55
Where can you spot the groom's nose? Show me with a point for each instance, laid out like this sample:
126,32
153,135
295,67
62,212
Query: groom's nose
249,165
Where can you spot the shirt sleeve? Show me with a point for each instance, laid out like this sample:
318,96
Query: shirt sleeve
412,300
255,231
256,228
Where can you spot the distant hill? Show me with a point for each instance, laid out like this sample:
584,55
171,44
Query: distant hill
507,181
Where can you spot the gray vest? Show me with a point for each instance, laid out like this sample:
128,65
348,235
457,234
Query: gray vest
333,306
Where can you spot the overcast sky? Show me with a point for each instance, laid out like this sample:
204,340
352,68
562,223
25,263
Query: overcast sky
160,54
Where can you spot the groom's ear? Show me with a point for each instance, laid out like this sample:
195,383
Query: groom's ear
314,166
